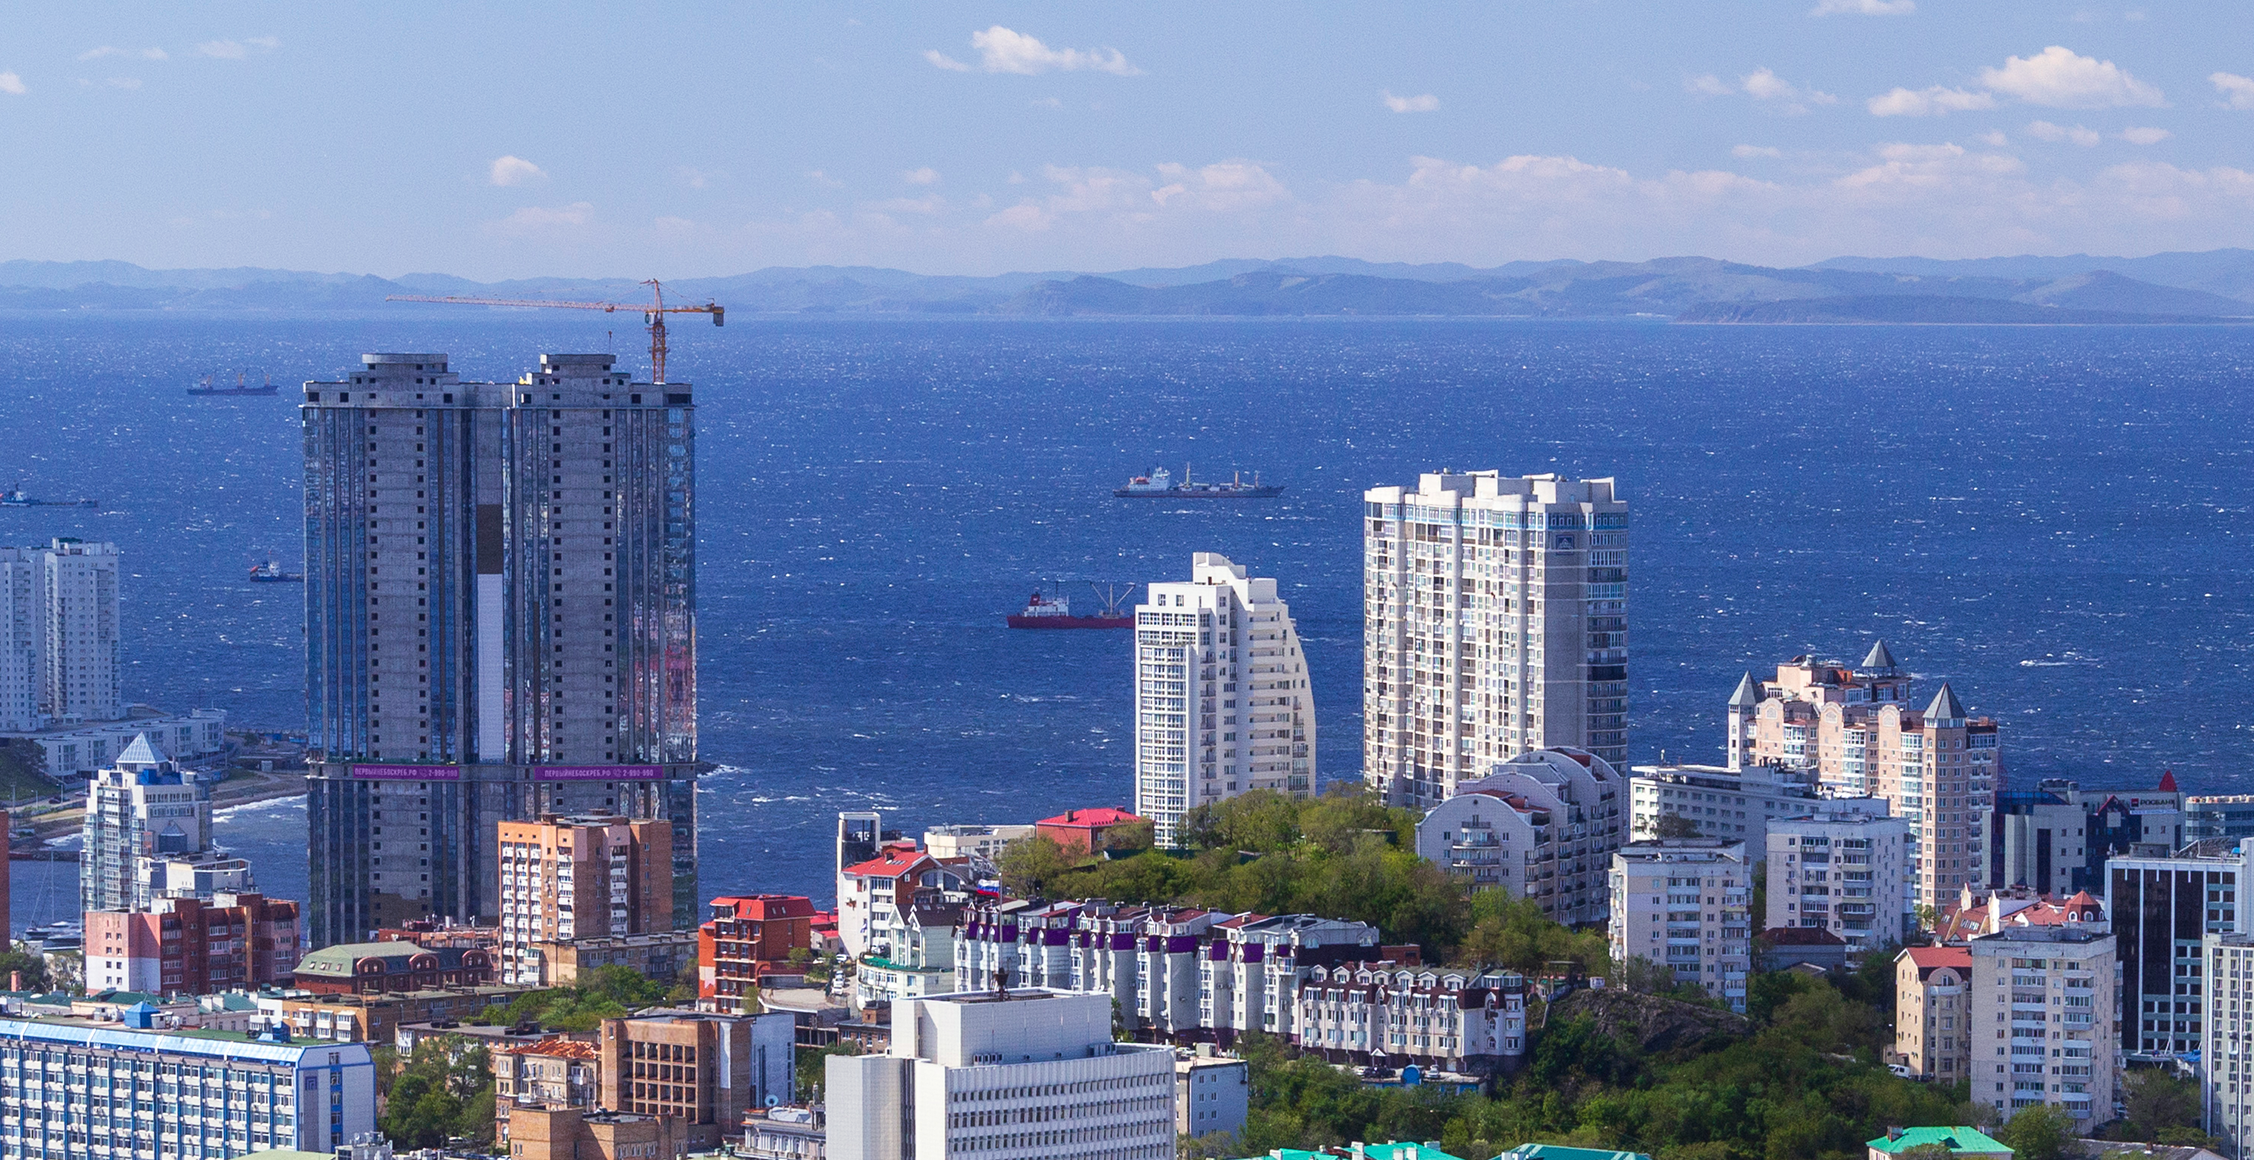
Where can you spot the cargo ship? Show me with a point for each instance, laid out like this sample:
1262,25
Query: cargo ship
1159,484
271,572
20,498
238,389
1043,611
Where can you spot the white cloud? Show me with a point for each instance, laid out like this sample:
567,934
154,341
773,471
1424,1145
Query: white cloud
1936,101
1423,104
2049,132
11,83
112,50
924,176
2145,135
1707,84
514,170
1993,137
1125,198
1002,50
223,49
1762,85
1864,7
1755,151
2237,91
2061,79
537,219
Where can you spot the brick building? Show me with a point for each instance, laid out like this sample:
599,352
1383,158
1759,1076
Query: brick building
186,946
576,1134
380,967
565,879
702,1070
747,937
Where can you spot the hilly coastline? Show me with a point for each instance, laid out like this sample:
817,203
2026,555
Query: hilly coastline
2210,287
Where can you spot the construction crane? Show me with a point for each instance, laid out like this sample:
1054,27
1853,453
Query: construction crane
653,314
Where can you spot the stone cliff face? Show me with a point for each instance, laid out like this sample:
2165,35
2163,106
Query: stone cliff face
1658,1025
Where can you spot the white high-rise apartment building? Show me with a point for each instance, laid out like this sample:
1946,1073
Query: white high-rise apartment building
2226,1058
2051,988
59,636
1495,621
1685,904
139,813
1842,866
1222,703
1003,1073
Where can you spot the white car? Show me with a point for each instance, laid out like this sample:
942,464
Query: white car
1900,1069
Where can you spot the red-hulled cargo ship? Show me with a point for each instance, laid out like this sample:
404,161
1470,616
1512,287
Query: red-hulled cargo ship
1056,612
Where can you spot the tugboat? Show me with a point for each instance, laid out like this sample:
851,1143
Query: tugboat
271,572
238,389
1043,611
1159,484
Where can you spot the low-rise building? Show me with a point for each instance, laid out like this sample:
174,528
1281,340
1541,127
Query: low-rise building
1963,1143
381,967
579,1134
1540,825
551,1073
912,953
968,841
1684,904
1979,912
661,955
870,894
2218,816
1933,1012
1843,865
1094,831
2051,988
1717,801
377,1016
702,1069
786,1132
79,1088
186,946
1211,1094
80,750
746,939
1003,1073
1393,1015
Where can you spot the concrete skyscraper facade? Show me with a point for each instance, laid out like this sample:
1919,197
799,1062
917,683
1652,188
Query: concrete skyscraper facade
500,623
1495,621
1854,730
1222,701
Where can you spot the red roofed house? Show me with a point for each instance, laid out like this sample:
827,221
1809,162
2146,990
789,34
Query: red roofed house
1933,1012
875,892
747,938
1977,914
1092,831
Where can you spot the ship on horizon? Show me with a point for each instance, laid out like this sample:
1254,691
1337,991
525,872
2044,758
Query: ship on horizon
1159,484
18,497
271,572
240,387
1045,611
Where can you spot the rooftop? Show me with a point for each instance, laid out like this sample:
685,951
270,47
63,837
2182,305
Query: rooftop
1964,1139
1088,819
1561,1152
561,1048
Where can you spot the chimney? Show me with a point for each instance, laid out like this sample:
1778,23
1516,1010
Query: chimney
15,980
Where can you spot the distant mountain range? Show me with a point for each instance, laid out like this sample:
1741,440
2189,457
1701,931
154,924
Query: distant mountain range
2213,286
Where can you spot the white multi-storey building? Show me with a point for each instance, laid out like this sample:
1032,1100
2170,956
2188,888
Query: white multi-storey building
2051,987
1222,703
143,810
60,662
1722,802
2163,906
1003,1073
81,1088
1842,866
1543,826
2226,1057
1495,621
1391,1013
20,626
1684,903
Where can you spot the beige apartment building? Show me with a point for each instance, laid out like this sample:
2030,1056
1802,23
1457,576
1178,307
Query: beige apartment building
1494,622
2051,989
1686,904
1933,1012
567,879
1855,730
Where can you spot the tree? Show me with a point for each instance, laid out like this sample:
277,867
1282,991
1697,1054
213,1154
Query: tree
813,1068
2157,1102
2038,1132
1031,867
1675,826
32,965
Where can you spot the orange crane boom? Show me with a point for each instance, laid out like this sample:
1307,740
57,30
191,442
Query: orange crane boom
653,314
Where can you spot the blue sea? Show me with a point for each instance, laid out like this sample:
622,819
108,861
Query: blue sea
2054,520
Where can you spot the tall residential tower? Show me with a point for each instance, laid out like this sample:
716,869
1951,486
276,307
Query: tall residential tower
1222,703
500,622
1495,621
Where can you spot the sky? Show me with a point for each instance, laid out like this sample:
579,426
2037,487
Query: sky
683,140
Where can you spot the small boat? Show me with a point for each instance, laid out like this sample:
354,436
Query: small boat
18,497
1043,611
240,388
271,572
1159,484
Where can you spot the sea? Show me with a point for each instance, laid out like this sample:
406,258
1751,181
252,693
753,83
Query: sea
2055,520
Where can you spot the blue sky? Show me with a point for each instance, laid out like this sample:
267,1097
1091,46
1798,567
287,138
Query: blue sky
514,140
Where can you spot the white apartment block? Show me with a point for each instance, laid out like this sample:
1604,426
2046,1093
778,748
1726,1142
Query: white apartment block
83,749
21,624
1222,703
1211,1095
1732,804
2226,1057
2051,989
1684,904
1495,621
1003,1073
1543,826
143,808
60,661
1388,1013
1842,866
986,842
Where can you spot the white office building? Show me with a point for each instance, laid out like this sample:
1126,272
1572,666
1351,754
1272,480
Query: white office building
1494,621
1842,866
1542,825
1222,703
1685,904
998,1074
80,1088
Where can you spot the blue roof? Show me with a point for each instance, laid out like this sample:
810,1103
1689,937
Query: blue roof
218,1044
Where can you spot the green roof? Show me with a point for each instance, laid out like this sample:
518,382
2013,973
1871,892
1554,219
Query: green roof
1954,1139
1377,1152
1561,1152
338,959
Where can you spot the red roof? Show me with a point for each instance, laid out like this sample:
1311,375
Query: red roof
2167,781
894,864
1094,819
1928,958
760,907
566,1048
